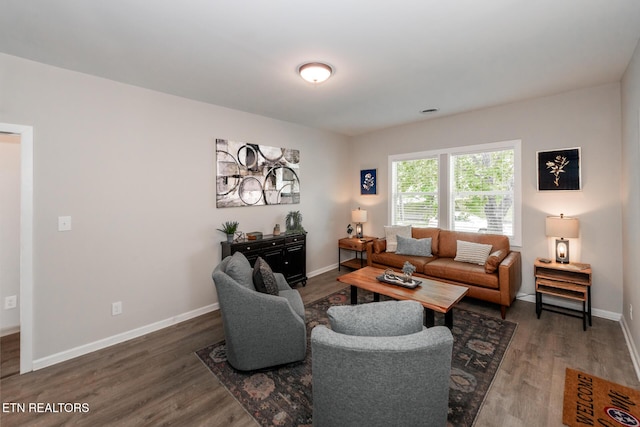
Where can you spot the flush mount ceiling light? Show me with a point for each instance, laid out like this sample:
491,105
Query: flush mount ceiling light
315,72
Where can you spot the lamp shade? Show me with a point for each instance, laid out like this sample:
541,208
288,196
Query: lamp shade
358,216
561,226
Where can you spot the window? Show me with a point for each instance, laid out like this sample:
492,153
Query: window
482,191
415,195
464,189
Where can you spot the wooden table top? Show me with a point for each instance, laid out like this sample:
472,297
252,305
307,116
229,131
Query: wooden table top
437,296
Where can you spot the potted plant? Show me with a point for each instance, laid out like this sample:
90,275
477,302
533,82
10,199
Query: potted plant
229,228
293,221
408,269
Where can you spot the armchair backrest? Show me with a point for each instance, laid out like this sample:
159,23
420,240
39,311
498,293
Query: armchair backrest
238,268
381,380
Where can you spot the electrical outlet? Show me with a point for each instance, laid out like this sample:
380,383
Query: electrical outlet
116,308
10,302
64,223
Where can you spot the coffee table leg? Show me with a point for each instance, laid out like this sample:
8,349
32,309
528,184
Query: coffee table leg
376,297
429,318
448,319
354,295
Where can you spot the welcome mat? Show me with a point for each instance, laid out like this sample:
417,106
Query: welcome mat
283,397
593,401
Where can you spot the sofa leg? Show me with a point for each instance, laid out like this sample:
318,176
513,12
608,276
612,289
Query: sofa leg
503,311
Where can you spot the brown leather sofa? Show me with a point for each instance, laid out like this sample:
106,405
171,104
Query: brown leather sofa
497,281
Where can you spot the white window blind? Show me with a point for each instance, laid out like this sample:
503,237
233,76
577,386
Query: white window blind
415,191
475,188
482,192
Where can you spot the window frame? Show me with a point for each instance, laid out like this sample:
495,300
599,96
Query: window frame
445,181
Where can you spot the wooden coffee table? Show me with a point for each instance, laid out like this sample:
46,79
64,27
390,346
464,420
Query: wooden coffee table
432,294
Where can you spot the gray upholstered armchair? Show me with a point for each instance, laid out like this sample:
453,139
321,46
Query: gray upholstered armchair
378,366
261,329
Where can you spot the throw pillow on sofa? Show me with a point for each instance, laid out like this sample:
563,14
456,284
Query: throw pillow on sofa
474,253
263,278
392,231
494,261
411,246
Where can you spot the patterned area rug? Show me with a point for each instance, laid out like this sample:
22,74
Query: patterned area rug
282,396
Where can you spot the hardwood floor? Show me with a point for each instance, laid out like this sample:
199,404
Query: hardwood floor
158,380
9,355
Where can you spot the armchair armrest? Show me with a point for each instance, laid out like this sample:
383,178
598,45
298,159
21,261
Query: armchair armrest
282,282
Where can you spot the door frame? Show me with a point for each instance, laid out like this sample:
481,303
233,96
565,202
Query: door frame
26,242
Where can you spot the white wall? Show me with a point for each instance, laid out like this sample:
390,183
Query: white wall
9,230
631,196
135,169
587,118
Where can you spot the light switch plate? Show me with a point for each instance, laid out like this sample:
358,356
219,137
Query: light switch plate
10,302
64,223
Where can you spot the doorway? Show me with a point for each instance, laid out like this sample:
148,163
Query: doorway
9,254
25,298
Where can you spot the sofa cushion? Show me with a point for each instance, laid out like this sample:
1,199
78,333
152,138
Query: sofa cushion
263,278
240,270
494,261
474,253
393,260
391,231
461,272
411,246
427,232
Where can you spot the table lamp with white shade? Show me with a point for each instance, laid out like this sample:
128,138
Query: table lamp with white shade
563,227
359,216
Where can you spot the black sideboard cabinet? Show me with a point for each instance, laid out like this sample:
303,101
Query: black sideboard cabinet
286,254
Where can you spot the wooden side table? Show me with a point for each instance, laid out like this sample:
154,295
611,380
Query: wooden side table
359,246
570,281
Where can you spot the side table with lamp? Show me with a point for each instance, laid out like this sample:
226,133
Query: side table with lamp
357,243
561,278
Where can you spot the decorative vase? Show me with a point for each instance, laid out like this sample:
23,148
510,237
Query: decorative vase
406,277
230,238
276,230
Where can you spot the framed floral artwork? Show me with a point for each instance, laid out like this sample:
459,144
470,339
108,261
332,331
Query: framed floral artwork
368,181
559,169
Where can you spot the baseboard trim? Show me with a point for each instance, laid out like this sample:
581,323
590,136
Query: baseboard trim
596,312
322,270
9,331
120,338
63,356
633,351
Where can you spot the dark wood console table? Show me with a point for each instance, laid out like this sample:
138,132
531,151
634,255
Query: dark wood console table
285,253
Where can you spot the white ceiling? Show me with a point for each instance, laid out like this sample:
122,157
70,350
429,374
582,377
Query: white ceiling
391,59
